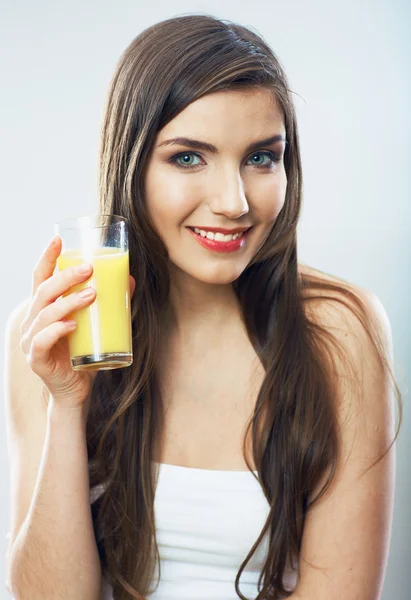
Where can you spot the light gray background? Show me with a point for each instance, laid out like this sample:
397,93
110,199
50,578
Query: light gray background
349,65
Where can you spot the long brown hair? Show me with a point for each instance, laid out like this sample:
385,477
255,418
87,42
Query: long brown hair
295,435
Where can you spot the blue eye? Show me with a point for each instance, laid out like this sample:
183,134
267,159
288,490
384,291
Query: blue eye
185,159
263,155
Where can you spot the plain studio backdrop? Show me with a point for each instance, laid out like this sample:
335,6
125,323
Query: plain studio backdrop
349,68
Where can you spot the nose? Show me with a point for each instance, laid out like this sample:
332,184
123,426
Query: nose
228,197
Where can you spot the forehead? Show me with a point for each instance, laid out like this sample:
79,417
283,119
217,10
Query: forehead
240,114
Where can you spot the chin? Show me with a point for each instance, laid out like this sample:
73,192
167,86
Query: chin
221,280
222,275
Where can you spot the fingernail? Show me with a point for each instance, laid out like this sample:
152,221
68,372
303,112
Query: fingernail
84,268
53,242
70,323
86,293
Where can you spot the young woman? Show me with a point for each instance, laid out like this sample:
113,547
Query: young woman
248,451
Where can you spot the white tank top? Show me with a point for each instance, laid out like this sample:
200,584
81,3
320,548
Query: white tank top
206,523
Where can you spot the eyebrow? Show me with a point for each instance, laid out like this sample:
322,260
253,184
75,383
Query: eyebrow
198,145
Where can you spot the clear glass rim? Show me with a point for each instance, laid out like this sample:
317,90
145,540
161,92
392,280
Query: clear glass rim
88,222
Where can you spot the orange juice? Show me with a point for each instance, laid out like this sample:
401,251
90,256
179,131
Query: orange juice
103,328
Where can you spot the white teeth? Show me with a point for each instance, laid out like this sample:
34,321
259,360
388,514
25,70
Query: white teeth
219,237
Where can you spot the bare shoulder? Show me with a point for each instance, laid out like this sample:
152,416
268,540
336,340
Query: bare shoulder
336,302
361,351
311,275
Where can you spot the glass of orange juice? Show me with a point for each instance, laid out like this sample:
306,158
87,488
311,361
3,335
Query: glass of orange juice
102,338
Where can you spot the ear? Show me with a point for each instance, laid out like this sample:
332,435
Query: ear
132,285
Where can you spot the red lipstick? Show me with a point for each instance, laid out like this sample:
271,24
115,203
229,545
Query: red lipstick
219,246
221,229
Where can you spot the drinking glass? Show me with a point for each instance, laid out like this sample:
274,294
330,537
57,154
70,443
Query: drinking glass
102,338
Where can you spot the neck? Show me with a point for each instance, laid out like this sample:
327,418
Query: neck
199,312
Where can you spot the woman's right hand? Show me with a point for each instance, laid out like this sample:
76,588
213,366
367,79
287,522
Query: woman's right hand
45,328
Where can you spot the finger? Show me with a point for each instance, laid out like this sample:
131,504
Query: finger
57,311
132,285
43,342
54,287
47,263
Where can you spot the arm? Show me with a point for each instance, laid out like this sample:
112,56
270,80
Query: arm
52,551
347,533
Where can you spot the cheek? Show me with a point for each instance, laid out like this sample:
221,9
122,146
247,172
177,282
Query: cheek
170,199
268,197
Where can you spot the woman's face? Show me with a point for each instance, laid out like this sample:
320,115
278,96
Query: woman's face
225,174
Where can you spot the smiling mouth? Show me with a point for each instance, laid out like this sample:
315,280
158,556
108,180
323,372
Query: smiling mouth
218,234
220,242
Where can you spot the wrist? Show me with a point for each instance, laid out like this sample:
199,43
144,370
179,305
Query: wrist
58,412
